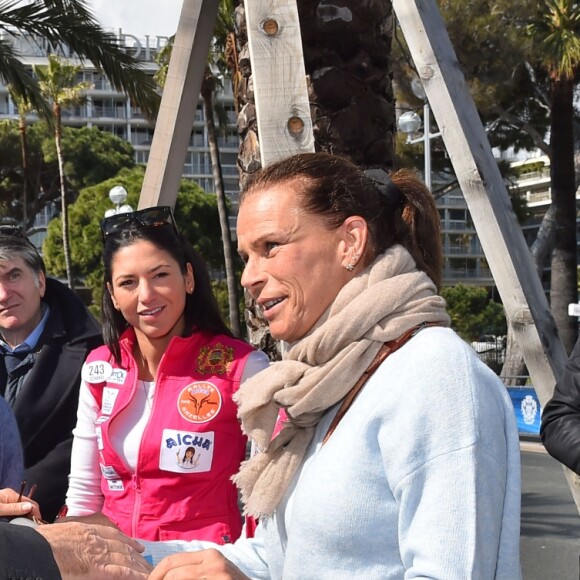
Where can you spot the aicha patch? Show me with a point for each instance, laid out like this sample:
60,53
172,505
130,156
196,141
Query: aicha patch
199,402
215,359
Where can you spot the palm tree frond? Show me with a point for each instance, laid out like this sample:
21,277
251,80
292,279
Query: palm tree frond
18,77
70,23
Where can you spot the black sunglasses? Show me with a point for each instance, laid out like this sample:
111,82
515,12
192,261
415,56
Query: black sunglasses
150,217
15,232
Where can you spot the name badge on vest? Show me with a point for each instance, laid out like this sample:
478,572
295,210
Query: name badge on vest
96,372
185,452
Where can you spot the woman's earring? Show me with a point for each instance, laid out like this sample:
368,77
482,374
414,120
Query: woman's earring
350,267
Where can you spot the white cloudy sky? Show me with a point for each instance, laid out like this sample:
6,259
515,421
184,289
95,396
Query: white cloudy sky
138,17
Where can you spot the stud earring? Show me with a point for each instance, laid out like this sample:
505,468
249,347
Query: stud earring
353,263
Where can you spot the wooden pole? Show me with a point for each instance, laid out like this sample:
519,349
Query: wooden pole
281,95
489,204
178,103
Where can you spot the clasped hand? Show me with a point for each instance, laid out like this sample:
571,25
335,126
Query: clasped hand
87,551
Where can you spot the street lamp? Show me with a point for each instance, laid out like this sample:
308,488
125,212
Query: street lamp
118,196
410,123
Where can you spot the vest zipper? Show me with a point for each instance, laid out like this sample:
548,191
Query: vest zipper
136,505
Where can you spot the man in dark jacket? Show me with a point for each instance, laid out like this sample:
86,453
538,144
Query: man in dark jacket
46,333
560,431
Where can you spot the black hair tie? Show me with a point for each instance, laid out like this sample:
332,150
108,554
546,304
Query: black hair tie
386,187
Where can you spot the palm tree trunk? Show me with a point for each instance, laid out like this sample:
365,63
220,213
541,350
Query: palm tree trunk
233,299
347,57
564,283
63,203
24,156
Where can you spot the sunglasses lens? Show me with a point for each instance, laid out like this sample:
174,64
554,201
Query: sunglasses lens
149,217
156,216
114,223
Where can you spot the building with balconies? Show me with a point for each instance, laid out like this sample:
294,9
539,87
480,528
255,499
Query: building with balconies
109,110
464,260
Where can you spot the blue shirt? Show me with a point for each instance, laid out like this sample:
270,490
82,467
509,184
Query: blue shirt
31,340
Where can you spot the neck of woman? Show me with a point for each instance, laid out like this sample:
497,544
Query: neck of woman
148,354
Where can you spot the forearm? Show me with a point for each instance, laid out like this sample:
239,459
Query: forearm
84,494
246,554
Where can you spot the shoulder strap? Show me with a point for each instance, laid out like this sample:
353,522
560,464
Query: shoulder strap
385,350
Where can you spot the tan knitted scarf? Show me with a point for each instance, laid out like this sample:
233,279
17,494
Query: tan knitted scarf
381,303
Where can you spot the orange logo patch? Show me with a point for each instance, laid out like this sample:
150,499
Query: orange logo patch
199,402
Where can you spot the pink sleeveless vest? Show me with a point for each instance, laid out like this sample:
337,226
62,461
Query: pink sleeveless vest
191,445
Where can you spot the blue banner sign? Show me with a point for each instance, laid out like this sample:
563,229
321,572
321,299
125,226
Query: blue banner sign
527,409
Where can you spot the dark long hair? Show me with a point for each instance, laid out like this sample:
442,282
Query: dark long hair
201,310
401,212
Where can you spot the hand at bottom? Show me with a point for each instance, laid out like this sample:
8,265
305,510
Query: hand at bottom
93,552
200,565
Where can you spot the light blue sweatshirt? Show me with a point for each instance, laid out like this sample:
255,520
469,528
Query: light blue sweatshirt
11,462
421,479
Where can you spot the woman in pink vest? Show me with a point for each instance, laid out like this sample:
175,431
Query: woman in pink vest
157,437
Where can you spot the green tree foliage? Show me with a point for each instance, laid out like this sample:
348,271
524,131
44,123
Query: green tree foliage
473,313
195,213
525,92
522,63
91,156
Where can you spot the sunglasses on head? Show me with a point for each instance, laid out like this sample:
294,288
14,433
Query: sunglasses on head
15,232
151,217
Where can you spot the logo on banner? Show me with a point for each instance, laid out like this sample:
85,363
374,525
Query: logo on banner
215,359
186,452
529,409
199,402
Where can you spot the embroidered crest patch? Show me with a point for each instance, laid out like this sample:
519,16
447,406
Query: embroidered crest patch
215,359
199,402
